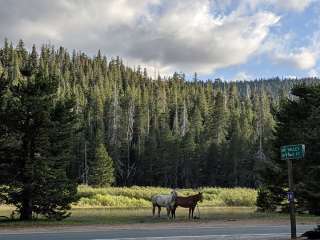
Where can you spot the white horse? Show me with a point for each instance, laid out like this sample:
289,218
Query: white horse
166,201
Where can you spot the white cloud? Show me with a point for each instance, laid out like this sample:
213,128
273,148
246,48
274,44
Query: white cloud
281,51
313,73
279,5
294,5
188,37
290,77
29,29
172,35
242,76
303,59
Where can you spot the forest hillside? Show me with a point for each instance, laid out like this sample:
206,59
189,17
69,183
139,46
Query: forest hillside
169,131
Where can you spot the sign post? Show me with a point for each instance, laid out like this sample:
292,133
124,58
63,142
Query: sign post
289,153
291,202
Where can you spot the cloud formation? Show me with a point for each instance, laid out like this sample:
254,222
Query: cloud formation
182,35
288,5
303,59
296,5
281,51
241,76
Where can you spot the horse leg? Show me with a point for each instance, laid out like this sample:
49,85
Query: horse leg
173,213
168,212
189,212
159,210
192,210
153,209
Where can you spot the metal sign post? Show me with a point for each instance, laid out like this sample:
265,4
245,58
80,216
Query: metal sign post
291,202
289,153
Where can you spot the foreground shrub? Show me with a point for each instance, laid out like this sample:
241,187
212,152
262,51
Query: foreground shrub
265,200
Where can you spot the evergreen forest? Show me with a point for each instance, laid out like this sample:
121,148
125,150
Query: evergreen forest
96,121
167,131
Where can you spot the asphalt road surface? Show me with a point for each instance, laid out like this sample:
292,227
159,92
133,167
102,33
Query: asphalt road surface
261,231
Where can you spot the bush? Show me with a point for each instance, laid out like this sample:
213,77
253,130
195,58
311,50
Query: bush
110,201
239,197
265,201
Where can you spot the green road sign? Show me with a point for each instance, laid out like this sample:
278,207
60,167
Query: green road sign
292,152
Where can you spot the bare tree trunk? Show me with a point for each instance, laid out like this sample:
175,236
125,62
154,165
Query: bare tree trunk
26,208
130,168
115,116
176,117
184,120
148,121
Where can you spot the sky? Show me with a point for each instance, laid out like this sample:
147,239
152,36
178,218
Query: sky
227,39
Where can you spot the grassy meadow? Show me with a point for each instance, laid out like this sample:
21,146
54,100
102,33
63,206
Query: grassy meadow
139,197
123,205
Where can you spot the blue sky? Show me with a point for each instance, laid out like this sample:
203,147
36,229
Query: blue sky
228,39
301,26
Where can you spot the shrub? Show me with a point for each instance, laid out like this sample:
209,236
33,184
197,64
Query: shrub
239,197
265,201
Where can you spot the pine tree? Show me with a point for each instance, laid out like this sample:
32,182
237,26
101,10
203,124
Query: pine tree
218,120
34,124
103,170
297,122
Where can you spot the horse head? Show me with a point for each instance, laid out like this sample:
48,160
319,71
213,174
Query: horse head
174,194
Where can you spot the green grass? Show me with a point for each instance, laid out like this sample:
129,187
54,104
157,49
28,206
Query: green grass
133,197
115,205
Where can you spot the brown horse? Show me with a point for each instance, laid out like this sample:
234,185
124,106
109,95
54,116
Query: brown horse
187,202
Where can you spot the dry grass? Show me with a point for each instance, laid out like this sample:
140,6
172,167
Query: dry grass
93,216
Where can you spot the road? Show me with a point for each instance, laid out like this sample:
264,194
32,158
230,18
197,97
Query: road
152,232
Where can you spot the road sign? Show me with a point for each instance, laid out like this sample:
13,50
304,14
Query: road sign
292,151
290,196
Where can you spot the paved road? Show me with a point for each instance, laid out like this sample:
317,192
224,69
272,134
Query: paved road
161,233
